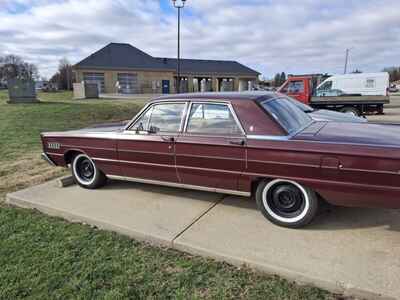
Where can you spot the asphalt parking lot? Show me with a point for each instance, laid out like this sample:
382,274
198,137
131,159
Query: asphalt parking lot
391,112
349,250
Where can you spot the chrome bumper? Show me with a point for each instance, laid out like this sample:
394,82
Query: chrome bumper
48,159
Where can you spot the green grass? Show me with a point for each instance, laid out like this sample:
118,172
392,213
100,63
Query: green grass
43,257
21,124
46,258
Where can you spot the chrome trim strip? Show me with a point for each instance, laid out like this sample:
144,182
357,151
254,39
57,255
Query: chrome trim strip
181,185
210,157
268,137
146,152
134,162
187,117
88,147
48,159
305,179
97,135
283,163
133,120
56,154
166,165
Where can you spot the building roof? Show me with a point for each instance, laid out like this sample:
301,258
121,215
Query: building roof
125,56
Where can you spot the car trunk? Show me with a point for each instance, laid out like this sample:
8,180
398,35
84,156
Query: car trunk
353,133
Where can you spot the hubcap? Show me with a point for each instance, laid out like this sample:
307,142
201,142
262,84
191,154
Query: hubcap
286,200
85,169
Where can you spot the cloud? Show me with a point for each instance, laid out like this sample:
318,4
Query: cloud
270,36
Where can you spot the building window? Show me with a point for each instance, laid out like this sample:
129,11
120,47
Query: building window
97,78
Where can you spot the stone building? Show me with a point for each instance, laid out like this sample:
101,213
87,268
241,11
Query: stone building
124,69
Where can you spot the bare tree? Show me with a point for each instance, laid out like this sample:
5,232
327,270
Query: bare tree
13,66
64,75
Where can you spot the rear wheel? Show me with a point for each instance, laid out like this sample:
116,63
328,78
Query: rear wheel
351,110
286,203
85,172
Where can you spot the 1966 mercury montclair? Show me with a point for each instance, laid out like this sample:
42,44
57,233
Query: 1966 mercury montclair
258,144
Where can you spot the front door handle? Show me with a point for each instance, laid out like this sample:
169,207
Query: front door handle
237,142
168,138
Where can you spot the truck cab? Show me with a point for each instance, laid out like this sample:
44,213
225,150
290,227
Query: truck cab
298,88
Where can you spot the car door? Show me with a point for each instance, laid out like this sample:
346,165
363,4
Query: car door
210,151
146,149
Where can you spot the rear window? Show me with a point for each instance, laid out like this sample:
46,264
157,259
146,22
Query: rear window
289,115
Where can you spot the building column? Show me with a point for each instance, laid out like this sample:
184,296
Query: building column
190,84
236,83
214,85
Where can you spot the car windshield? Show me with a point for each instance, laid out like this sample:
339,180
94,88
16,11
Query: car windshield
289,115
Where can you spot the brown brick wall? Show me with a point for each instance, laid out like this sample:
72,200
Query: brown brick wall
148,79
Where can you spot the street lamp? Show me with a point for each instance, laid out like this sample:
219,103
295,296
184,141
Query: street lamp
179,5
346,60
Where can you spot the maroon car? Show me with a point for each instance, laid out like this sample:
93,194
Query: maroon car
245,144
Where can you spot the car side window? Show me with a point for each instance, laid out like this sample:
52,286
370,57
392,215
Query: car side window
161,118
210,118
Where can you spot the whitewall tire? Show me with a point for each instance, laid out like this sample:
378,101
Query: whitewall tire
286,202
85,172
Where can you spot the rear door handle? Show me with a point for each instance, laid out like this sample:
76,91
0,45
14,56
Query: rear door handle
237,142
168,138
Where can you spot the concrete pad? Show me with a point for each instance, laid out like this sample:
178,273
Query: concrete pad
145,212
348,250
353,251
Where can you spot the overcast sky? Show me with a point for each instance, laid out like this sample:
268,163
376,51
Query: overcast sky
270,36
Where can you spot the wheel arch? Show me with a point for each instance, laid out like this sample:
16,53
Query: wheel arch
256,181
71,153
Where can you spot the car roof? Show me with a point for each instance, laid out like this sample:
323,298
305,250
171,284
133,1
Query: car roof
248,95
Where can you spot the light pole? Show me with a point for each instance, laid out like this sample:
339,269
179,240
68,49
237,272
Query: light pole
178,63
346,60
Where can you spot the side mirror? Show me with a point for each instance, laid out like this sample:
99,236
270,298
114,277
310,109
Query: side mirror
154,129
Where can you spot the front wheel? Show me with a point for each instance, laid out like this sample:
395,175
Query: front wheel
85,172
286,203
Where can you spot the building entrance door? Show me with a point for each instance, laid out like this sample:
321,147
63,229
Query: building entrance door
165,86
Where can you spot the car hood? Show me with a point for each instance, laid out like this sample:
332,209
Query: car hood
352,133
330,115
98,128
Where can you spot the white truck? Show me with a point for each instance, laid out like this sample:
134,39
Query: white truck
357,84
358,94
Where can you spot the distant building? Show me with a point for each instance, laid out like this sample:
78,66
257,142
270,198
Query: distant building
122,68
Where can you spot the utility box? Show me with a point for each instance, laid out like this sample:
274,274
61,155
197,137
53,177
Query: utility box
91,90
84,90
21,91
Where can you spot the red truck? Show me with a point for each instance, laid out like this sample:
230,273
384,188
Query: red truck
303,88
